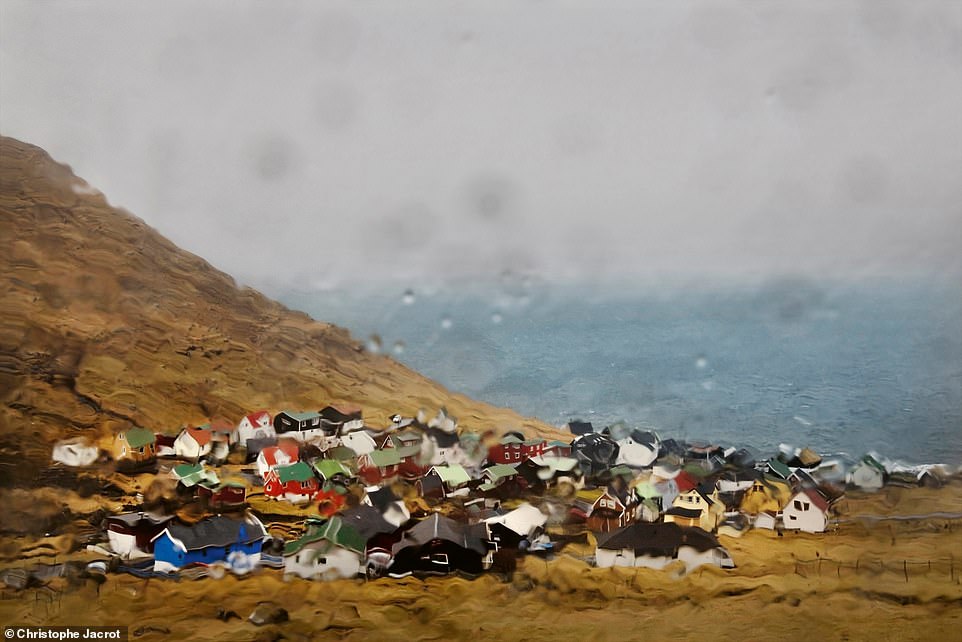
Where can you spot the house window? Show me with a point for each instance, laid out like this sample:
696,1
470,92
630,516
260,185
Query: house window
440,558
797,504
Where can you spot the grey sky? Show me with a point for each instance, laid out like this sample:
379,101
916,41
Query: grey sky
312,144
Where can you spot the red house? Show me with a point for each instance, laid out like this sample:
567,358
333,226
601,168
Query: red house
222,497
295,483
510,450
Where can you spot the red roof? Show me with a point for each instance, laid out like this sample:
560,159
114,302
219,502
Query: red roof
817,498
255,417
222,425
201,436
685,482
270,454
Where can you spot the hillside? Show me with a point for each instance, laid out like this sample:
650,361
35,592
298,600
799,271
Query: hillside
107,323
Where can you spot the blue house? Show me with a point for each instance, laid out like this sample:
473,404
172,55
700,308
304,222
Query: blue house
215,539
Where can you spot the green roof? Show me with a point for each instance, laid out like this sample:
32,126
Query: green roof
327,468
341,453
510,439
453,476
500,471
295,472
779,468
386,457
874,463
646,489
301,416
621,471
193,474
533,442
139,437
334,531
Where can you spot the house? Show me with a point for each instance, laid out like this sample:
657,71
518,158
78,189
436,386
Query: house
135,448
379,466
556,448
439,545
130,534
699,507
294,482
223,496
443,421
359,441
390,506
236,542
638,449
284,453
302,426
256,425
444,481
508,450
778,469
329,550
614,509
767,494
224,431
650,501
499,480
579,428
441,447
331,470
595,453
806,511
165,445
544,472
75,452
520,528
377,532
190,475
337,419
193,443
868,474
658,545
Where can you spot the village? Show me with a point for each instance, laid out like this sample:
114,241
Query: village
320,495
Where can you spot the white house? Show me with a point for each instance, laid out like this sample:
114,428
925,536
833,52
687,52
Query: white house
329,551
75,452
360,441
193,443
257,425
658,545
283,454
806,511
867,474
639,449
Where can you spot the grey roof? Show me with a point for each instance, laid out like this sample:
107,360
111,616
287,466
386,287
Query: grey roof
367,521
216,531
471,537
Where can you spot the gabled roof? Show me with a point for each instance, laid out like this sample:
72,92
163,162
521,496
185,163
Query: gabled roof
453,476
367,521
442,438
580,427
868,460
500,471
200,435
522,520
439,527
328,468
685,481
138,437
657,539
510,439
385,457
779,468
255,417
193,474
216,531
271,452
555,464
335,531
688,513
815,497
382,497
299,472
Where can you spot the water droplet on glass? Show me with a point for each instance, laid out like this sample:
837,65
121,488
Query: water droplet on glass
408,297
496,318
446,323
701,363
398,347
374,344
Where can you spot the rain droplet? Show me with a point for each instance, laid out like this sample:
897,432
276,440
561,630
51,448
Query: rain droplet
701,363
496,318
446,323
408,297
374,344
398,347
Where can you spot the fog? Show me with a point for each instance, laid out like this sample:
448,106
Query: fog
317,145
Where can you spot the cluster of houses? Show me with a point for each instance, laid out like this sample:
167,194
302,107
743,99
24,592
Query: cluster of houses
646,501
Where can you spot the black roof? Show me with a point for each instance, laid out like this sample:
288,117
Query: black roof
660,539
644,437
217,531
335,416
442,438
688,513
580,427
382,498
471,537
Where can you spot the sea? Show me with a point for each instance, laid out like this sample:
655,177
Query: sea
841,367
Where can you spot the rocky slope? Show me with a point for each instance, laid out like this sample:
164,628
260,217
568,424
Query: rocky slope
106,323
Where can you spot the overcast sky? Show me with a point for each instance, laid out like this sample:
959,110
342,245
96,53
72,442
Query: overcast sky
317,144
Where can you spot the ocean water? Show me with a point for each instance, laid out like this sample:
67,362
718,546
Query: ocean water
841,367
